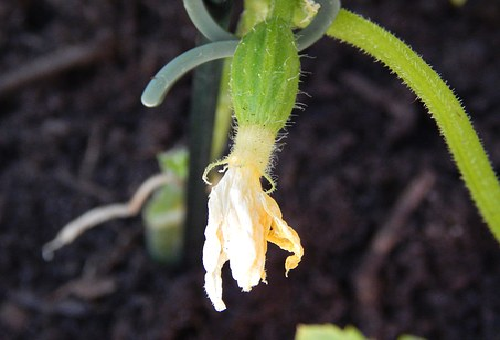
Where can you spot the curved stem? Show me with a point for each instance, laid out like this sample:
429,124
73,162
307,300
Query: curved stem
158,87
316,29
204,22
443,105
160,84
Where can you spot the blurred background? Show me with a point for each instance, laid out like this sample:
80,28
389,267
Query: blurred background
393,243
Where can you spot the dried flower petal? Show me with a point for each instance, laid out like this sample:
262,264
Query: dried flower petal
242,218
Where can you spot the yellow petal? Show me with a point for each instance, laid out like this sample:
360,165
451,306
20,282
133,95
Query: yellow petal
282,235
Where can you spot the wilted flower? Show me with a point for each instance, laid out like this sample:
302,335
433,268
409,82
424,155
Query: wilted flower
242,219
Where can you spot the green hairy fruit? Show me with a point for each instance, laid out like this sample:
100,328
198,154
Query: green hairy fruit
265,75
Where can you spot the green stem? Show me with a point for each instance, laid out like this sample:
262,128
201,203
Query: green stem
443,105
205,91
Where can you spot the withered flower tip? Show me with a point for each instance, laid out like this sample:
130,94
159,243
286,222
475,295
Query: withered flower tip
242,219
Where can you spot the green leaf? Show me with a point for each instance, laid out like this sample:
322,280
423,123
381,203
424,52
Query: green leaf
327,332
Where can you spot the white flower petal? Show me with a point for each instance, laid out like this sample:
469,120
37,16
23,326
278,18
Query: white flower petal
214,255
242,218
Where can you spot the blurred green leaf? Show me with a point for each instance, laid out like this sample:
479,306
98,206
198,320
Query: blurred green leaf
165,212
327,332
175,161
409,337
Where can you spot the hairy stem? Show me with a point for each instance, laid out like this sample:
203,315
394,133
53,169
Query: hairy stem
443,105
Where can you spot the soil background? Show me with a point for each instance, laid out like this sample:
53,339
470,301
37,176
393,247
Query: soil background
393,243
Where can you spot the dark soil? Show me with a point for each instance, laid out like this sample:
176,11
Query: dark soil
393,243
